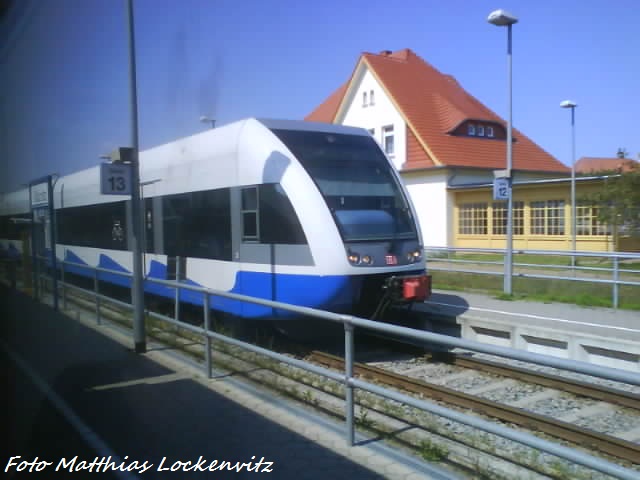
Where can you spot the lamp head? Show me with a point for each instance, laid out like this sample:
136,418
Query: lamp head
501,18
568,104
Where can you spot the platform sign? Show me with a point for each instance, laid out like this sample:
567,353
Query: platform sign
39,195
115,179
501,189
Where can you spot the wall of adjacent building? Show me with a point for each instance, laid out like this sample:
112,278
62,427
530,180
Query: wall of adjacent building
382,113
598,238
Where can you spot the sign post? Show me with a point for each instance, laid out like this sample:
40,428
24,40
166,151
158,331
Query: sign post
42,212
502,191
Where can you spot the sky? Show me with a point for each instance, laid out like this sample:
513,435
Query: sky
64,91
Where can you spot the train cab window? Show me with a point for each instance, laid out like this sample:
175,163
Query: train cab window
278,220
250,220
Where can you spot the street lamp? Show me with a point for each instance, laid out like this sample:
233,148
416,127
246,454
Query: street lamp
572,105
205,119
502,18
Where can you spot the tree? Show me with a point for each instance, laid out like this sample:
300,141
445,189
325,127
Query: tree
618,201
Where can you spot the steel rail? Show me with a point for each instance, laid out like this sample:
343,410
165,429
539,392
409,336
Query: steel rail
581,436
569,385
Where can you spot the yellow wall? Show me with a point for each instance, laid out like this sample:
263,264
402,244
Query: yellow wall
529,241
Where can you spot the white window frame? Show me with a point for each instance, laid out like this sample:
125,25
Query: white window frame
364,99
471,129
371,98
388,133
490,132
247,211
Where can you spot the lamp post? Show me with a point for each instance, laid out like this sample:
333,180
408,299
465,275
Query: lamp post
205,119
572,105
502,18
137,287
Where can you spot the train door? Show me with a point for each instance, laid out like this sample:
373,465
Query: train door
41,232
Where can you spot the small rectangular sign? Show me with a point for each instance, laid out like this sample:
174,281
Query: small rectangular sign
115,179
501,189
40,195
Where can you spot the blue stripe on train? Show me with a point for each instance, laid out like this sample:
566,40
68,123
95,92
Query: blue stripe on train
329,292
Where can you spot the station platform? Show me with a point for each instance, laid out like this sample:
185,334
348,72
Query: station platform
603,336
80,400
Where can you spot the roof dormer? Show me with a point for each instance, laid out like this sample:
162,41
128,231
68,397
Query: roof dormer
480,129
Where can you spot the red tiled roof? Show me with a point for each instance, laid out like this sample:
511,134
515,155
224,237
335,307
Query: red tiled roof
433,105
599,164
327,110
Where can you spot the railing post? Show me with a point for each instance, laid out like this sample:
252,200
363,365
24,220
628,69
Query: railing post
616,274
348,367
97,296
176,310
207,338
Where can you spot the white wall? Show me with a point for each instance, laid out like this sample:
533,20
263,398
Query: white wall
376,116
433,204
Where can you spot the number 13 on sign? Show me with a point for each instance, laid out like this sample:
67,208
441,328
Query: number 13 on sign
115,179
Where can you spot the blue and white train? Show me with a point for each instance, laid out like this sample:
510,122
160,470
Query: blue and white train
303,213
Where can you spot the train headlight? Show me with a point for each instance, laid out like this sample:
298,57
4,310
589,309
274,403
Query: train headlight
414,256
354,258
367,259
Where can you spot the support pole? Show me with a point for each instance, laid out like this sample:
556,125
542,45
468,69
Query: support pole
137,288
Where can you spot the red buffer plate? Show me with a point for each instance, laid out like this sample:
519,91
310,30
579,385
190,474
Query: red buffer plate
416,288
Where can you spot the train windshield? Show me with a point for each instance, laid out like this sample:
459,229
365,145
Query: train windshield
356,181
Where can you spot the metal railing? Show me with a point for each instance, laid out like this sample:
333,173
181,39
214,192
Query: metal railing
347,378
451,259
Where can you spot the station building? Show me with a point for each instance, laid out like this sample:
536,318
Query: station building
446,145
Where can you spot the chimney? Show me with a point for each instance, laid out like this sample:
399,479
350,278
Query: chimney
386,53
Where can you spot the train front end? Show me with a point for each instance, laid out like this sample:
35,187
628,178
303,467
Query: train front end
381,245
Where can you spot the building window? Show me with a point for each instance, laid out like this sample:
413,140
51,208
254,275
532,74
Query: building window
371,98
471,129
499,222
480,131
547,217
587,221
364,99
472,219
490,133
387,140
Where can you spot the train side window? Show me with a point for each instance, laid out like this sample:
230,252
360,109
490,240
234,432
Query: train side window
99,226
198,224
250,214
148,226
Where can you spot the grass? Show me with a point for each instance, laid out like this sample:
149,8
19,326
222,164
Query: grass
543,290
432,452
555,260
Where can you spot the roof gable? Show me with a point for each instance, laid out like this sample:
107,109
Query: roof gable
433,105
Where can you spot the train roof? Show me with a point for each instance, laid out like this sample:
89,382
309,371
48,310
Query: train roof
169,159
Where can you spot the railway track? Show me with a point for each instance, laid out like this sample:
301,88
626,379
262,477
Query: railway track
557,382
584,437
